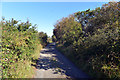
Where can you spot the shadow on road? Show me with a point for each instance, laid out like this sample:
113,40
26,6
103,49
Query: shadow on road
58,63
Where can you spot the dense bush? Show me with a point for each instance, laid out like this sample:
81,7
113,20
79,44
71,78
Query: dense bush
43,38
20,45
91,39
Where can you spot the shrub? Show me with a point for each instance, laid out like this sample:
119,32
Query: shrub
91,40
19,46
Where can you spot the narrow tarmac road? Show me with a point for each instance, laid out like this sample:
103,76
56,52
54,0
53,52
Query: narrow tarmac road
52,64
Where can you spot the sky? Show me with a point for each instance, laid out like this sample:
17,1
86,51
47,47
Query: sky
57,0
44,14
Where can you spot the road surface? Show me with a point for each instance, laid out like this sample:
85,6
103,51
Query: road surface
53,64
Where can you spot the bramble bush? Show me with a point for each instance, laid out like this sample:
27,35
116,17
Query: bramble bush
20,45
91,39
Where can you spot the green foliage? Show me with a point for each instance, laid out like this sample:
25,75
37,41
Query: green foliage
53,38
67,30
19,46
43,38
91,39
49,40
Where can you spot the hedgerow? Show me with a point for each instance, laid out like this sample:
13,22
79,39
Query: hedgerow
20,45
91,39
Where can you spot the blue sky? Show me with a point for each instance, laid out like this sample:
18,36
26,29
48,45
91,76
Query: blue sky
44,14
